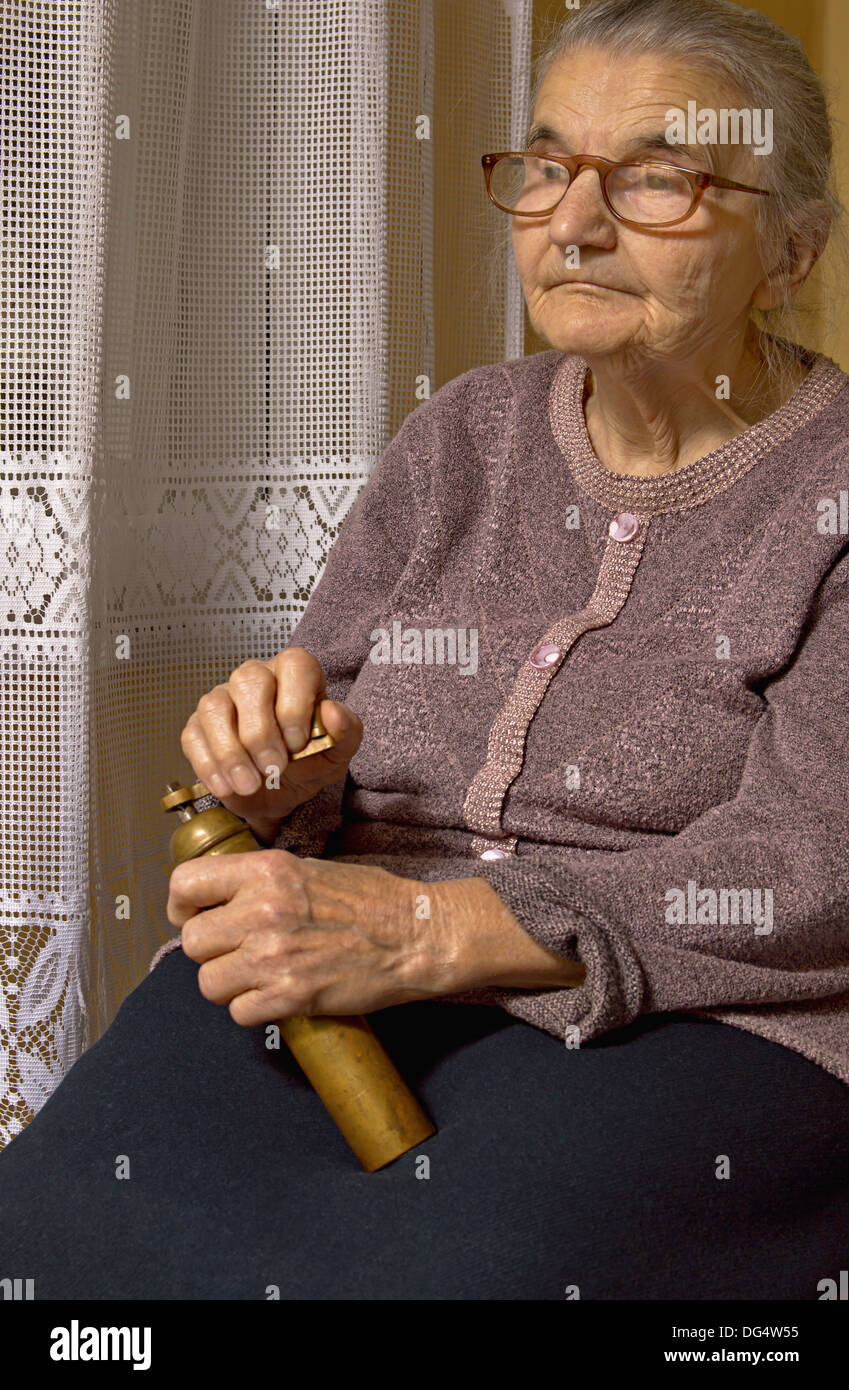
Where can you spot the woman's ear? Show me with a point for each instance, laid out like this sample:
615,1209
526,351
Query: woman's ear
794,265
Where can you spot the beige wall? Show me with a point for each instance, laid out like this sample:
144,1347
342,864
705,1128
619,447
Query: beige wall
823,27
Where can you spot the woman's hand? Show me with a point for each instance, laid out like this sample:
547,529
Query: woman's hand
250,725
312,936
300,936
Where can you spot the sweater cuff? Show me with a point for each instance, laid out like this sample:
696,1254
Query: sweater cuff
164,951
550,910
306,831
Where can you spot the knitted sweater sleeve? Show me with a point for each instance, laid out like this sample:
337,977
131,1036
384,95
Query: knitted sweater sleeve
352,598
669,927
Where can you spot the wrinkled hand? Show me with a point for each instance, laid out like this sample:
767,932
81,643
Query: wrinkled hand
284,935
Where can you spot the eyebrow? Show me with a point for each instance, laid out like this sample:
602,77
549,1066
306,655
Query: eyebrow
654,140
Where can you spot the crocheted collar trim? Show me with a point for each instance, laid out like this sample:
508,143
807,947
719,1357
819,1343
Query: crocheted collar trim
705,477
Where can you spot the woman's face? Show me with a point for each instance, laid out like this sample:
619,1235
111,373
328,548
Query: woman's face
674,293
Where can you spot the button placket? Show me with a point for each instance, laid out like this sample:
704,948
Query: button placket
505,752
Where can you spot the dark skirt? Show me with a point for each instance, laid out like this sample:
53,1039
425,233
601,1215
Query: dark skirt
597,1172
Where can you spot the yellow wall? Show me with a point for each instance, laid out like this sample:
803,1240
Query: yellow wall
823,27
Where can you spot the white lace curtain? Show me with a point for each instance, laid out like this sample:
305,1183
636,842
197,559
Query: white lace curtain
241,239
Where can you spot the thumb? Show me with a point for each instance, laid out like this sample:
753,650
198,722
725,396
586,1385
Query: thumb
344,726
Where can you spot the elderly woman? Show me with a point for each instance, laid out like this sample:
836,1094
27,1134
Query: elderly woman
616,810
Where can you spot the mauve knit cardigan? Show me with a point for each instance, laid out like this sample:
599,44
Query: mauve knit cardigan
667,799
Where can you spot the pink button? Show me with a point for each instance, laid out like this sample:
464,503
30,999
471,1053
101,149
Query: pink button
494,854
545,655
624,526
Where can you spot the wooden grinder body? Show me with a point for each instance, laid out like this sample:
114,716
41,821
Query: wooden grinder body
342,1058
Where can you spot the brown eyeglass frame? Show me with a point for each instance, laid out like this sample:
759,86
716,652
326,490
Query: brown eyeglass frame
574,163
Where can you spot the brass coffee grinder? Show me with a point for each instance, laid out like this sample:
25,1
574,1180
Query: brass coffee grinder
342,1058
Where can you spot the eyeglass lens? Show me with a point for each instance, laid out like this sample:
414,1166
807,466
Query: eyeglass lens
529,183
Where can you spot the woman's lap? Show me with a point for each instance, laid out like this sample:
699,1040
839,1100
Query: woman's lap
593,1169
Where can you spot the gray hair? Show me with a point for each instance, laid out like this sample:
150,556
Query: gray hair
769,69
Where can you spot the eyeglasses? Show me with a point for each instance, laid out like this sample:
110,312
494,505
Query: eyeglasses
647,194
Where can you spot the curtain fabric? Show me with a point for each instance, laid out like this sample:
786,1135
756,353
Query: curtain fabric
241,240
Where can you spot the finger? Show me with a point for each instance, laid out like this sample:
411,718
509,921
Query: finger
249,1008
215,933
208,882
227,976
340,721
199,754
346,728
300,685
253,689
216,715
253,1007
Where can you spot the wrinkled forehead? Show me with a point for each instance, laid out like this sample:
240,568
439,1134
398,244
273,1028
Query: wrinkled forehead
598,101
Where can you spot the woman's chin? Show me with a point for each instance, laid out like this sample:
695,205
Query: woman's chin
589,342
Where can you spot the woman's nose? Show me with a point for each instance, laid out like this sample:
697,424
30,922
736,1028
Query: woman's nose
581,209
